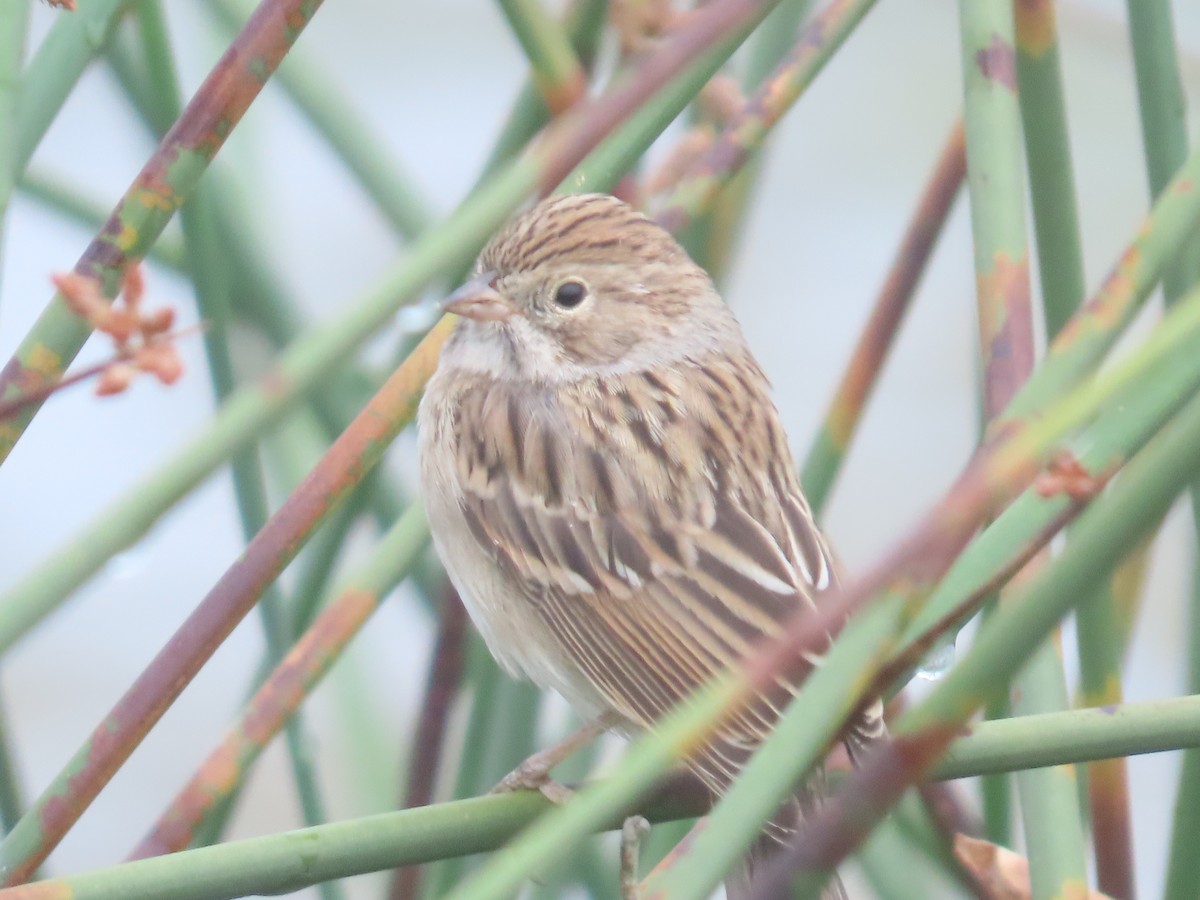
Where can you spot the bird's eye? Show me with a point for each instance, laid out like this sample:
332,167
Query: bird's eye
570,294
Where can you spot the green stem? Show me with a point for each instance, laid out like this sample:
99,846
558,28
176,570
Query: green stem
585,26
289,861
1060,261
996,789
1049,801
557,72
1050,804
888,862
12,805
14,26
1048,158
61,58
1163,110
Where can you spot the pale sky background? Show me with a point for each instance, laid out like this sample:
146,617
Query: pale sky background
843,174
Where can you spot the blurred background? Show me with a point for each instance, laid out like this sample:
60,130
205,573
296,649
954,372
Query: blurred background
842,176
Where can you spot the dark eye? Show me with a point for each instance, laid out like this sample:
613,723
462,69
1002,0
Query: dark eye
570,294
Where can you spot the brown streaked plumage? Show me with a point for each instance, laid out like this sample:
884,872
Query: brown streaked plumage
606,477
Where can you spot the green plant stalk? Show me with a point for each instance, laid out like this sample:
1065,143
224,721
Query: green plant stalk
1049,800
12,803
167,179
997,191
72,43
1060,257
1048,159
888,862
585,26
1074,736
1163,109
331,114
1128,510
1050,805
14,27
557,72
289,861
996,790
917,825
1060,260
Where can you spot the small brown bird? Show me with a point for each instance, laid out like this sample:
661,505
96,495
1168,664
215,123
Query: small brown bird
607,480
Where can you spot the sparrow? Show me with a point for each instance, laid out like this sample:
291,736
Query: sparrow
609,486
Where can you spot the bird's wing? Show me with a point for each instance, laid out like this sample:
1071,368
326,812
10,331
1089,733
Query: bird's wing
659,544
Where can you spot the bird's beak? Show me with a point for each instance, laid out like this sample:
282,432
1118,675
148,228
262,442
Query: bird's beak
479,300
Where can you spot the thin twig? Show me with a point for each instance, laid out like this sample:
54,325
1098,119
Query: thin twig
870,353
44,390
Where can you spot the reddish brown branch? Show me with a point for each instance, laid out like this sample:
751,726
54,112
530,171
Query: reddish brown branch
445,678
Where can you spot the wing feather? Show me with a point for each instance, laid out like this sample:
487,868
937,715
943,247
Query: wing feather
656,567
